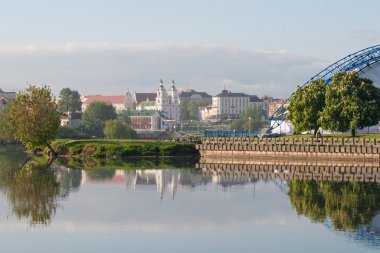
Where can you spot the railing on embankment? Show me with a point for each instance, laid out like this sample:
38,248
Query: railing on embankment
337,148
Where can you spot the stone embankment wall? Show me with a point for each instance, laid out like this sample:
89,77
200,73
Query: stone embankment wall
288,171
299,148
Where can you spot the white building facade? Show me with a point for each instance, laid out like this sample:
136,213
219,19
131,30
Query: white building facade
226,105
168,101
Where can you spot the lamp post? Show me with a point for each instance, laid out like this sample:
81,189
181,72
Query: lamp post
249,127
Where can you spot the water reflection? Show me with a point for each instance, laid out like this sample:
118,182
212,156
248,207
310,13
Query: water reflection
337,197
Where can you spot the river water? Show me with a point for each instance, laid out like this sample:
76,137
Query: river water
171,206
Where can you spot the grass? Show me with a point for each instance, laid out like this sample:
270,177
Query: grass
122,147
334,136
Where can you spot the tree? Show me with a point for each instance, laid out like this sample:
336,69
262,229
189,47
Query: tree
189,110
123,117
244,122
306,105
183,112
33,118
95,116
193,108
115,129
69,101
351,102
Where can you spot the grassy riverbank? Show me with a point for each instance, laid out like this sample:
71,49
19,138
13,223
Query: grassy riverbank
123,148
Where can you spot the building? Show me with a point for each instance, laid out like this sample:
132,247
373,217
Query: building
71,119
274,104
117,101
145,121
132,101
193,95
5,97
260,103
168,101
226,105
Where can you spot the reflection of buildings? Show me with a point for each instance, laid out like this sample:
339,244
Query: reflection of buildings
164,180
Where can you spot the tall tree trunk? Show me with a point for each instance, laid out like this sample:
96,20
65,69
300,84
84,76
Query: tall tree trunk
315,132
353,132
53,152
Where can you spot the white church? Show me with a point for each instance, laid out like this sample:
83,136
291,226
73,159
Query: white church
168,101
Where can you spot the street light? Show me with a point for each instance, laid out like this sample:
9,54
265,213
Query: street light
249,127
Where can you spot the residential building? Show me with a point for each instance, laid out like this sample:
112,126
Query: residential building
7,94
168,101
274,104
71,119
145,121
5,97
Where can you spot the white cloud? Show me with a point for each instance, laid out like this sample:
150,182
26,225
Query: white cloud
115,68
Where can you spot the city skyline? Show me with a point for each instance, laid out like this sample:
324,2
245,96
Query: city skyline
111,47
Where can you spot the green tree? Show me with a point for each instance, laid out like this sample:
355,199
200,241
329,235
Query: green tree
95,116
189,110
306,105
348,205
114,129
183,112
252,117
69,101
33,117
32,192
123,117
351,103
193,108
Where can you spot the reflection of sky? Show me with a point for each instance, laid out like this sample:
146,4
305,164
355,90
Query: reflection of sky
106,217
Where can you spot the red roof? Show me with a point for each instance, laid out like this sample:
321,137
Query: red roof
106,99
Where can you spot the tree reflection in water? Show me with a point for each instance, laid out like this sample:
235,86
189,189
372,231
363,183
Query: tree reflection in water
33,193
347,204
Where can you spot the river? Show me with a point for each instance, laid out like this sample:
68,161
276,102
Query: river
169,205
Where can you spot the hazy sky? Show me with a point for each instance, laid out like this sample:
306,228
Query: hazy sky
110,47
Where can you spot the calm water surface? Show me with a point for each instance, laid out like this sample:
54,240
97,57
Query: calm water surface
177,210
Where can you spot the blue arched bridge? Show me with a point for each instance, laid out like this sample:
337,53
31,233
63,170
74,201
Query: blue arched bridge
359,61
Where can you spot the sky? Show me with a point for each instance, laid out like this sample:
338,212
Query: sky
114,46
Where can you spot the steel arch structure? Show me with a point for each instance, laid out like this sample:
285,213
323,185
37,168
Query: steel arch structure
357,61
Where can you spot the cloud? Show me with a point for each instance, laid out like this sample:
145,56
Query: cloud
116,68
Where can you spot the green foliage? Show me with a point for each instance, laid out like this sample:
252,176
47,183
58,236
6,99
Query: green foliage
95,116
243,123
69,101
347,204
189,110
306,105
32,117
32,191
351,102
123,117
114,129
6,131
103,148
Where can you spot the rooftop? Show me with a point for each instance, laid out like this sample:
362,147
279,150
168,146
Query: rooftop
226,93
142,113
140,97
105,99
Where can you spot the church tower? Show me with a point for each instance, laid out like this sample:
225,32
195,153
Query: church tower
168,102
161,98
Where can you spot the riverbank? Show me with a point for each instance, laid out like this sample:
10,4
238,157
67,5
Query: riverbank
122,148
